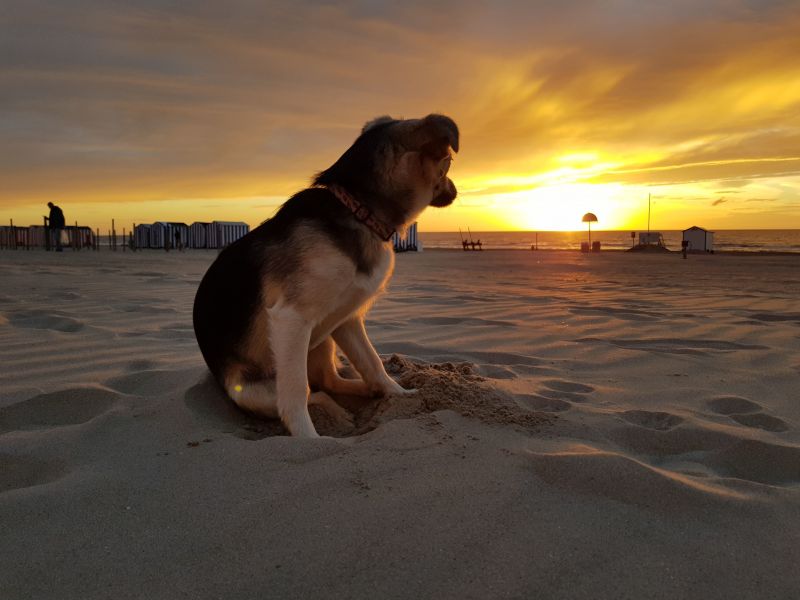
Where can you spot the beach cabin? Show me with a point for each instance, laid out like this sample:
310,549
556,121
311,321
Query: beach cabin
409,242
141,236
224,233
158,234
198,235
699,239
175,233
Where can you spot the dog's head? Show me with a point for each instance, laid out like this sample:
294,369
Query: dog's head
399,167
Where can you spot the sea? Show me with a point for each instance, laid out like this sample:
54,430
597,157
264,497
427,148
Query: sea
732,240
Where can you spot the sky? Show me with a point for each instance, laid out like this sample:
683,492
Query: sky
197,110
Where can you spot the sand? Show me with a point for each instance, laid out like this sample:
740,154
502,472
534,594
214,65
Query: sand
604,426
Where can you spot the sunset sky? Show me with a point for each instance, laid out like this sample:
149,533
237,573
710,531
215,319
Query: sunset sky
170,110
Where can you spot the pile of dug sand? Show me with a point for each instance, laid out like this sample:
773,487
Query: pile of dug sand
443,386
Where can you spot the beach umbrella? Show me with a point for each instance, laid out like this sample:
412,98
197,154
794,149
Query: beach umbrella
589,218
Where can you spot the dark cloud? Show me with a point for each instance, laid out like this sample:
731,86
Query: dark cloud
719,201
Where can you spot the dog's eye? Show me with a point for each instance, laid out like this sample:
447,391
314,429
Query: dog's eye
444,165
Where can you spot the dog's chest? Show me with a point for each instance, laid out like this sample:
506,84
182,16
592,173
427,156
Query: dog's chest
356,294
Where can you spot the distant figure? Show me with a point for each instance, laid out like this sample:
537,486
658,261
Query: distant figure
57,223
178,243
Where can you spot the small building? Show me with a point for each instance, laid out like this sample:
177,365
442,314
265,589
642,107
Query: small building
224,233
158,234
177,234
198,235
409,242
141,236
699,239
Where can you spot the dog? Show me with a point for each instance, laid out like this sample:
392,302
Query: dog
273,307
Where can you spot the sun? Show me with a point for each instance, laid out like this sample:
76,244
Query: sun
561,207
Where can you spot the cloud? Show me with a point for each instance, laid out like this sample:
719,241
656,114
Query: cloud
719,201
124,101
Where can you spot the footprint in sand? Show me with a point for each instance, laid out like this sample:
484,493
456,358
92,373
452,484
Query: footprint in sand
660,421
558,389
39,319
17,472
747,413
57,409
542,403
728,405
762,421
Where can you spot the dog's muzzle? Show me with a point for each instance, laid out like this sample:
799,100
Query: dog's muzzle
446,196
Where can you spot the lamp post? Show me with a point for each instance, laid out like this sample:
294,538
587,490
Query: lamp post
589,218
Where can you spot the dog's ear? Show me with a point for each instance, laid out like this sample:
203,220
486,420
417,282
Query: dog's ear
435,135
356,167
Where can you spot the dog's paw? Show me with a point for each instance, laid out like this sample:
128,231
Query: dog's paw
392,388
405,392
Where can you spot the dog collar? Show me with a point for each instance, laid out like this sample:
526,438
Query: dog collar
362,213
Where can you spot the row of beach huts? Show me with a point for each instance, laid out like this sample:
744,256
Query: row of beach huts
216,234
158,235
219,234
162,235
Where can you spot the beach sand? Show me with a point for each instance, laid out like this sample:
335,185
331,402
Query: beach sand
586,426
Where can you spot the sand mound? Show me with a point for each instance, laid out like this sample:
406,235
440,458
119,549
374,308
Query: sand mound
443,386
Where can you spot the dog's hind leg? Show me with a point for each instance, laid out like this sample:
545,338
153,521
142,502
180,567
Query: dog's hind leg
322,372
259,397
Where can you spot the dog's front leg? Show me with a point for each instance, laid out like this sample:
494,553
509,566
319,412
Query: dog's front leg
290,334
351,336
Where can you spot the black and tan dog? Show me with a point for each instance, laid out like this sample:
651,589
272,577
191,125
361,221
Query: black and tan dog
272,308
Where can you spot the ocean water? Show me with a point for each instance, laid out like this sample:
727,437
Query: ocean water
746,240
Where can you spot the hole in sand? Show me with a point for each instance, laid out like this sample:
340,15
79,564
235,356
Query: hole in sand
728,405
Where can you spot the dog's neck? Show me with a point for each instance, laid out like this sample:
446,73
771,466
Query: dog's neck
362,213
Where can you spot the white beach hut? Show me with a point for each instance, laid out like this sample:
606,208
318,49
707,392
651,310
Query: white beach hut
141,235
409,242
198,235
158,234
700,240
223,233
177,231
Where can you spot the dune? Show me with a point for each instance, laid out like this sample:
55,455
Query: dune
585,426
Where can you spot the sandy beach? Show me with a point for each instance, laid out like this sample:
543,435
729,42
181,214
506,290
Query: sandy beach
586,426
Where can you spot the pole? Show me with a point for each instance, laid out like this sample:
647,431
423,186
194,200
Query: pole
648,217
